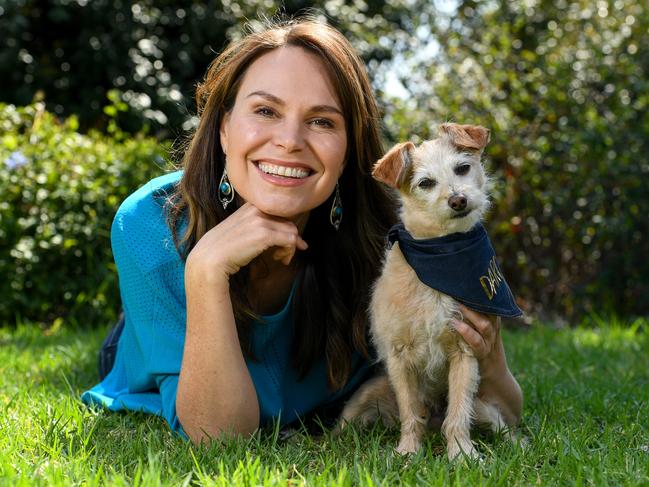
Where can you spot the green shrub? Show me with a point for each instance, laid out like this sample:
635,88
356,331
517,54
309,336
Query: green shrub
60,191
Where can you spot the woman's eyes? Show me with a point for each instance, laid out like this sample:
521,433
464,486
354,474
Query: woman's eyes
323,122
265,112
268,112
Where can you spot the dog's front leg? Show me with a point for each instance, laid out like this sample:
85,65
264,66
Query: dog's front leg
463,381
412,409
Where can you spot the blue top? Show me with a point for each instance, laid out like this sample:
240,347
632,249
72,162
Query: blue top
149,352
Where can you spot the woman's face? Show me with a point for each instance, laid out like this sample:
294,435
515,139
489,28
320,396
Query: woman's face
285,138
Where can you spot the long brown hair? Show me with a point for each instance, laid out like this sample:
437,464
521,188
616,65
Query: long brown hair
330,304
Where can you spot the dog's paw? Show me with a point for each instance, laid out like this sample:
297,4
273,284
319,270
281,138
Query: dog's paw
459,450
520,441
337,430
408,445
516,439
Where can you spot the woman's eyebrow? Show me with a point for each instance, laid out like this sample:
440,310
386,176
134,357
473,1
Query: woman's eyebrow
279,101
326,108
268,96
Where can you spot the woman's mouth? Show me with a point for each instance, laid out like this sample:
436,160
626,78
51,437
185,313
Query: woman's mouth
284,171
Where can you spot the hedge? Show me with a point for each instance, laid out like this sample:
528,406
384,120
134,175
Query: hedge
60,191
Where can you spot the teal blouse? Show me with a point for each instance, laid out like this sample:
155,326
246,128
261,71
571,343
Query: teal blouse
149,352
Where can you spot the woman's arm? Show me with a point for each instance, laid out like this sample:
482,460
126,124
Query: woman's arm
497,384
215,391
216,394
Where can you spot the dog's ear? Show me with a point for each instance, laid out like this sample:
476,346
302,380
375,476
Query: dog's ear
466,137
392,168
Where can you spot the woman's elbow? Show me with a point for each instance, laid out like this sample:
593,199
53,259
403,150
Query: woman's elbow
203,428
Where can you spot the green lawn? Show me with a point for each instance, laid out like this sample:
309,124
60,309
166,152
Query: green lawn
586,416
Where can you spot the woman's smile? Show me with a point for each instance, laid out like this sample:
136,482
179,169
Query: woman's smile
283,173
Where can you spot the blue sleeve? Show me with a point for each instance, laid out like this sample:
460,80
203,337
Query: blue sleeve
151,278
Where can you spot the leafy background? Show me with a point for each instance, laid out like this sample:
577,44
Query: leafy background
94,94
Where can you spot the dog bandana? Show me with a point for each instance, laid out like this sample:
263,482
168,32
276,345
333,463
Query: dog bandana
462,265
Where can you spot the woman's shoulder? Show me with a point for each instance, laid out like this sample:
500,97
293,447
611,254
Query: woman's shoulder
140,226
150,196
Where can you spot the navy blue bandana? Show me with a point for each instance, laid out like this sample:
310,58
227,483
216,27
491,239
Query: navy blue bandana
462,265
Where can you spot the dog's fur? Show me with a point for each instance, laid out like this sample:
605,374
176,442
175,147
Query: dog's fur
425,358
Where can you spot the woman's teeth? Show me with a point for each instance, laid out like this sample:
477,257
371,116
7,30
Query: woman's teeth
289,172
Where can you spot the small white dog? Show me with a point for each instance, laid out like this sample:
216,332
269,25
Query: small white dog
439,255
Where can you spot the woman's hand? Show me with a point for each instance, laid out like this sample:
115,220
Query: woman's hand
497,385
241,237
482,333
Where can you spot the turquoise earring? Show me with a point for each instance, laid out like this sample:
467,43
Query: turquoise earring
226,192
336,213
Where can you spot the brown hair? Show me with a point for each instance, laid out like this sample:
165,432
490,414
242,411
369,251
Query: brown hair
330,304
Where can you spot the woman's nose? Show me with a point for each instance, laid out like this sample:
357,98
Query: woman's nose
289,135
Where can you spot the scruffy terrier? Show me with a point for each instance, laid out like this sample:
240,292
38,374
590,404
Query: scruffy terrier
439,255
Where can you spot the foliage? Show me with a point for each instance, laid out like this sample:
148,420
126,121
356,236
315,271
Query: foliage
580,427
154,52
564,87
60,191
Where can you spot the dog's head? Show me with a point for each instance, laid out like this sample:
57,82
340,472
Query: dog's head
442,182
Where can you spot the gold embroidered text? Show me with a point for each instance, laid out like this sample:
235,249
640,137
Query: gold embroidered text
492,280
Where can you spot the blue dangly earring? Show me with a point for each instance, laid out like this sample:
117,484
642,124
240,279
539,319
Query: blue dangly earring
226,191
336,213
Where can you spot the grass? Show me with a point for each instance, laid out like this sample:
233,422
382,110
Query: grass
586,416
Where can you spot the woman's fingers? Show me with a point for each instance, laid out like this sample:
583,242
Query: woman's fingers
486,325
479,331
301,243
286,252
474,339
277,232
244,235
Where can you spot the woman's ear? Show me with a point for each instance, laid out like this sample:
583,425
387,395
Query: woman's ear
223,132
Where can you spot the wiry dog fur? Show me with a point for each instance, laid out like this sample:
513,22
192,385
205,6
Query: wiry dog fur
443,190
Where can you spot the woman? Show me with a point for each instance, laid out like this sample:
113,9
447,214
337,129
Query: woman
245,277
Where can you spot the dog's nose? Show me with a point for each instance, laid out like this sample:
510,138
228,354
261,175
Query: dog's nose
457,202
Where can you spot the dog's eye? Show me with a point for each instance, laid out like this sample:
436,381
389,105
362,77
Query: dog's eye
462,169
426,183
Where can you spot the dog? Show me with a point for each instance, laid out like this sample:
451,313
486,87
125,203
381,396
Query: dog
444,194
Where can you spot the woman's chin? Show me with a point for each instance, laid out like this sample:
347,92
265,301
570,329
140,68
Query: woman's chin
288,210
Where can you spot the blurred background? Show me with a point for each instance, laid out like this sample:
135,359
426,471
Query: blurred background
96,97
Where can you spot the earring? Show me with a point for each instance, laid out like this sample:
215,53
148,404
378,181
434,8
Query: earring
226,192
336,213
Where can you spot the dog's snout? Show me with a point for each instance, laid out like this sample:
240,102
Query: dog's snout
457,202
